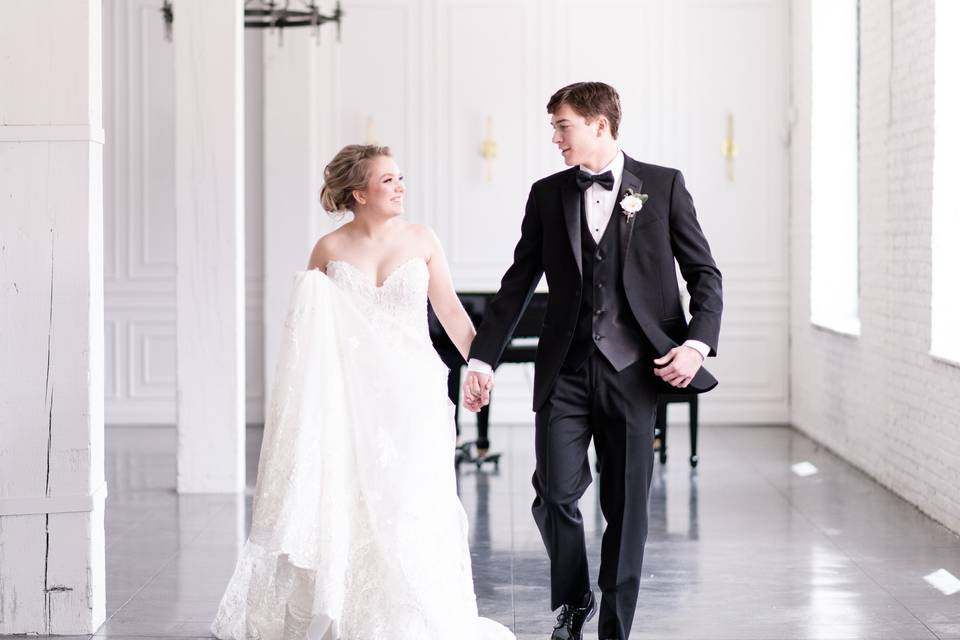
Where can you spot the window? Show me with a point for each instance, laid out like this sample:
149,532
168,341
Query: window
834,244
945,301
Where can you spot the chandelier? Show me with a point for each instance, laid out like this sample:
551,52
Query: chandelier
273,14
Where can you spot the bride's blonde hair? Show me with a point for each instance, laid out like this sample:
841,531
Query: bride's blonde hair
346,173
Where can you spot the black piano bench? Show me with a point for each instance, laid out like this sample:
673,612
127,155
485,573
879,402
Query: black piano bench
660,426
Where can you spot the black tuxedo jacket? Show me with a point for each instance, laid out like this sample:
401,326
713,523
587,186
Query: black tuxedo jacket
665,228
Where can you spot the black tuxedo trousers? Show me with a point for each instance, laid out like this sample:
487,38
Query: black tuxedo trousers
616,410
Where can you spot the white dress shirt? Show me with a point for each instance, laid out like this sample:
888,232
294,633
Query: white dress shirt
599,204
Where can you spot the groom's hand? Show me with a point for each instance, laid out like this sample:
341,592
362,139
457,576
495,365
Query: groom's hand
679,365
476,390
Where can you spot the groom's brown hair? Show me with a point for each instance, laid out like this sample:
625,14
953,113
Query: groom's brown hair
589,99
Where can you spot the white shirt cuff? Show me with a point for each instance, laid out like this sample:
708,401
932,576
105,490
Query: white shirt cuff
479,366
699,346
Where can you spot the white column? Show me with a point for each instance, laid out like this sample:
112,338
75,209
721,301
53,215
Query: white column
208,67
291,177
51,318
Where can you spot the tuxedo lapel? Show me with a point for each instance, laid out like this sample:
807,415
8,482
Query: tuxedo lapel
570,199
630,182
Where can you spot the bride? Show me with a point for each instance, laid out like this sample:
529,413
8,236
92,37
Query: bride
357,531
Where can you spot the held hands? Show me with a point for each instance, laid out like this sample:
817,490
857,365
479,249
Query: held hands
679,365
677,369
476,390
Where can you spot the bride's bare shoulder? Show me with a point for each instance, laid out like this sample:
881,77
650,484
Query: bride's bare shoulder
324,249
425,236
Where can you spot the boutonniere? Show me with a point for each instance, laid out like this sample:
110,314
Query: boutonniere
632,203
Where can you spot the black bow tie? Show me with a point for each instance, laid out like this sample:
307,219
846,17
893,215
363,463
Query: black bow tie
584,180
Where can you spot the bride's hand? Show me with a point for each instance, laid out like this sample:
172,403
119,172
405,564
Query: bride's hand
476,390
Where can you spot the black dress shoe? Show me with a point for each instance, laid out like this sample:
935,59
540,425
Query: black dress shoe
572,618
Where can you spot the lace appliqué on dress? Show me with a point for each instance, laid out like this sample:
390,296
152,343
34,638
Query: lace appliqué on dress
349,539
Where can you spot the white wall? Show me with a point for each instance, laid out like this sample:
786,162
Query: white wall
52,489
139,220
880,400
429,74
438,69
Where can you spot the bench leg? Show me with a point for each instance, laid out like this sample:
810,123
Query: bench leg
660,429
694,459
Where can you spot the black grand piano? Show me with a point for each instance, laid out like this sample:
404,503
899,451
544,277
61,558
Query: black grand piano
523,348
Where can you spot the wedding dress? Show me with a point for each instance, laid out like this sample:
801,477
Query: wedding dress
357,532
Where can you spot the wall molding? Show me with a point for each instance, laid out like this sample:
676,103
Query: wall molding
40,505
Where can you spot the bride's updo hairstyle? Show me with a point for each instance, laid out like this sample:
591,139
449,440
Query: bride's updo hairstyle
346,173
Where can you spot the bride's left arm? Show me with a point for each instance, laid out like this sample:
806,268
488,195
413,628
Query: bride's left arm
443,297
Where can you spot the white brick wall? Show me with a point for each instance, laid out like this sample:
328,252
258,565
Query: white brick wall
880,400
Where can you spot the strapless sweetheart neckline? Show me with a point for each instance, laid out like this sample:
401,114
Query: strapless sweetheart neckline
386,280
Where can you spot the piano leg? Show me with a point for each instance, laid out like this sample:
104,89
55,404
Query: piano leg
483,438
463,451
453,392
694,459
483,431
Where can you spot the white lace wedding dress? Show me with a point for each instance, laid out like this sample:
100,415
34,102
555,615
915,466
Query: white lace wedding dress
357,533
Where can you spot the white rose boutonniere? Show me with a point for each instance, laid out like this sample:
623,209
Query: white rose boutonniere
632,203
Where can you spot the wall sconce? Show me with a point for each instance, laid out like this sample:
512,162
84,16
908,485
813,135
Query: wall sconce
728,148
488,149
371,131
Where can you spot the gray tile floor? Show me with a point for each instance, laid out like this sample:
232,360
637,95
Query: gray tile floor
740,549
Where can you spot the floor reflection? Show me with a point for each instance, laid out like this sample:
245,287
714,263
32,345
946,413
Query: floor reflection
740,548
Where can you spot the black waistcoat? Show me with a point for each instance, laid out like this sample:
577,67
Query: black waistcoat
605,321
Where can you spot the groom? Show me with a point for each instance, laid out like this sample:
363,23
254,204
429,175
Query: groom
606,233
